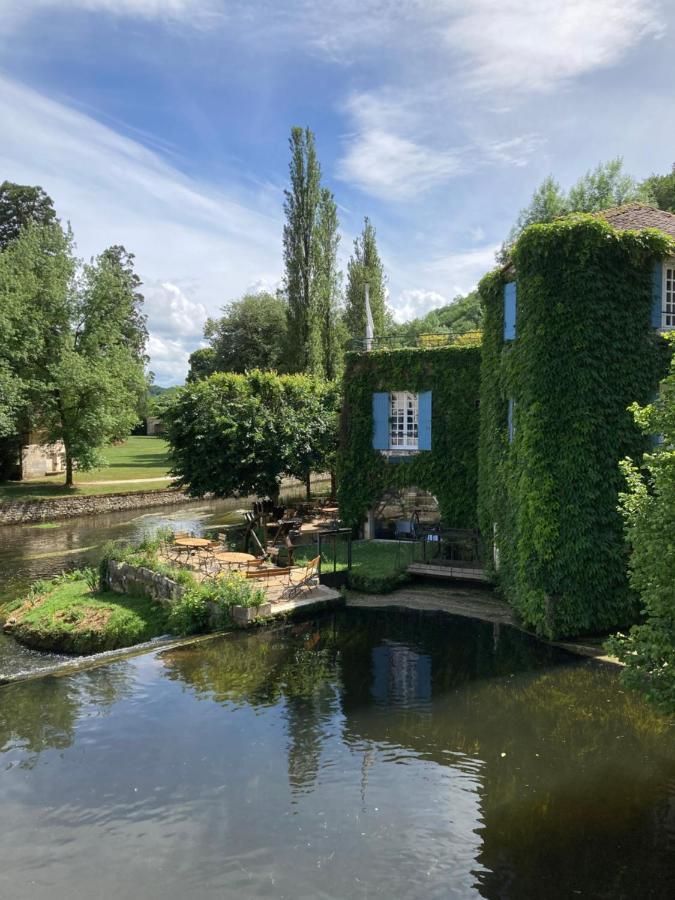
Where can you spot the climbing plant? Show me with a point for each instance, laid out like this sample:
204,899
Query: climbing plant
449,469
584,351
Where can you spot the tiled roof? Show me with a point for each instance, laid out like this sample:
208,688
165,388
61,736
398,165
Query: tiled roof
635,216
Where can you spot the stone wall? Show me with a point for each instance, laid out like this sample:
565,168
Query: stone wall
140,582
38,460
18,512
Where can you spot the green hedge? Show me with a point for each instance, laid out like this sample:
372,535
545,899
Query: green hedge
449,469
584,351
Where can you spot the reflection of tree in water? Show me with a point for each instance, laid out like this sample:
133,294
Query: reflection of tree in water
42,714
576,780
294,668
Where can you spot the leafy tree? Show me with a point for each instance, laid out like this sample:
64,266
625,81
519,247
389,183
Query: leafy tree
463,315
662,189
648,650
35,273
327,288
365,267
96,380
161,398
250,335
21,205
202,364
241,434
301,208
605,186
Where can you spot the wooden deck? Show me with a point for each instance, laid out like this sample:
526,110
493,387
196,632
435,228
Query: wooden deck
459,571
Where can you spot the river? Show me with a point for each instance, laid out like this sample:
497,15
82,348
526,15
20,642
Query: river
361,754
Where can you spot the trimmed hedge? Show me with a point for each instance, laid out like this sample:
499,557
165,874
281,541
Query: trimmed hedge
449,470
584,351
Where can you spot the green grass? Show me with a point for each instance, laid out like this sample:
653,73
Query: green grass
68,618
376,567
137,457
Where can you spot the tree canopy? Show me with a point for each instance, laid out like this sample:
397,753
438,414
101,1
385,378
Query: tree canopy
365,267
21,205
72,358
241,434
662,189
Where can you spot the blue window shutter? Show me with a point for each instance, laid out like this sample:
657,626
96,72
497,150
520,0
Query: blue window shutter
381,421
510,311
424,421
657,293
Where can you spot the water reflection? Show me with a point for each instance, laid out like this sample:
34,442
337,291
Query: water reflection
363,754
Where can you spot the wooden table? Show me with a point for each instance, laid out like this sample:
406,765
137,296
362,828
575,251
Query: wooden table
192,543
232,558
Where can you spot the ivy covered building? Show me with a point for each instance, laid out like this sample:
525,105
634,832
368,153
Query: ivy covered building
524,437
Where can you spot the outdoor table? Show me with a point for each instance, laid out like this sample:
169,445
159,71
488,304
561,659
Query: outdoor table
230,557
192,543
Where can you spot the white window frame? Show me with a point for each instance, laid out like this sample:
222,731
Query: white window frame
668,296
403,420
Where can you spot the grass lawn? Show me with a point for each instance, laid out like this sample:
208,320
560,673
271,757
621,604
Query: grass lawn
375,565
68,618
136,458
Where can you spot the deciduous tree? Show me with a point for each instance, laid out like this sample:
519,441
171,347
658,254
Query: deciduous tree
365,267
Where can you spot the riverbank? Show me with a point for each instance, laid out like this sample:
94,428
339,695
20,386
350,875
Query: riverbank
27,512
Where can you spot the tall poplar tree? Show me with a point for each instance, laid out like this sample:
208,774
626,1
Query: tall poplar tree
301,208
327,283
365,267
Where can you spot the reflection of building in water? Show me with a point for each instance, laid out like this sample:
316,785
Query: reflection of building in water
400,674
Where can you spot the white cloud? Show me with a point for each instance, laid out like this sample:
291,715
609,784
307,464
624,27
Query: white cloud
534,45
169,359
415,303
196,245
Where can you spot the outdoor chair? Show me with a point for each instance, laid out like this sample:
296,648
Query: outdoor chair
301,578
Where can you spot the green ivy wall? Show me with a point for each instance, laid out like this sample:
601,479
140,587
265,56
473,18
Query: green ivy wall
450,469
584,351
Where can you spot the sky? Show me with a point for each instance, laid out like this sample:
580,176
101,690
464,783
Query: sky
163,125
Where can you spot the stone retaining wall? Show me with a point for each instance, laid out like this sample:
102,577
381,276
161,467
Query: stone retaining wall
138,581
19,512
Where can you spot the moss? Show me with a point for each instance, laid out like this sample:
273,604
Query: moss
449,470
66,617
584,351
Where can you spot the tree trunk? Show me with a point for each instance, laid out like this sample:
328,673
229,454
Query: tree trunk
308,486
69,467
333,484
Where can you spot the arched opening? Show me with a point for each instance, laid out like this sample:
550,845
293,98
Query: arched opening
401,510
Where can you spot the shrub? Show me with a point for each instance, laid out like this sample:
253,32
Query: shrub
377,584
648,506
191,614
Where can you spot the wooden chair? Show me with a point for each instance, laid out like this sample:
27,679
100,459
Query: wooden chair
301,577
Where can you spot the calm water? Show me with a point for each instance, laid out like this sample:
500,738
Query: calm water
364,754
28,552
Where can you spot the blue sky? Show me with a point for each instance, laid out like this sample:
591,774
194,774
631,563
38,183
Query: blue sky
163,125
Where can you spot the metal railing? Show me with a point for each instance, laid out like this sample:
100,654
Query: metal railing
423,340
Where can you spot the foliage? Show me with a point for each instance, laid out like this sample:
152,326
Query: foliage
250,335
190,615
202,363
241,434
662,189
64,616
605,186
97,378
301,210
463,315
71,361
449,469
327,287
584,351
35,273
160,399
365,267
649,511
20,206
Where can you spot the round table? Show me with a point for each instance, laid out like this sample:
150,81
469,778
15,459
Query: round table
192,543
230,557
